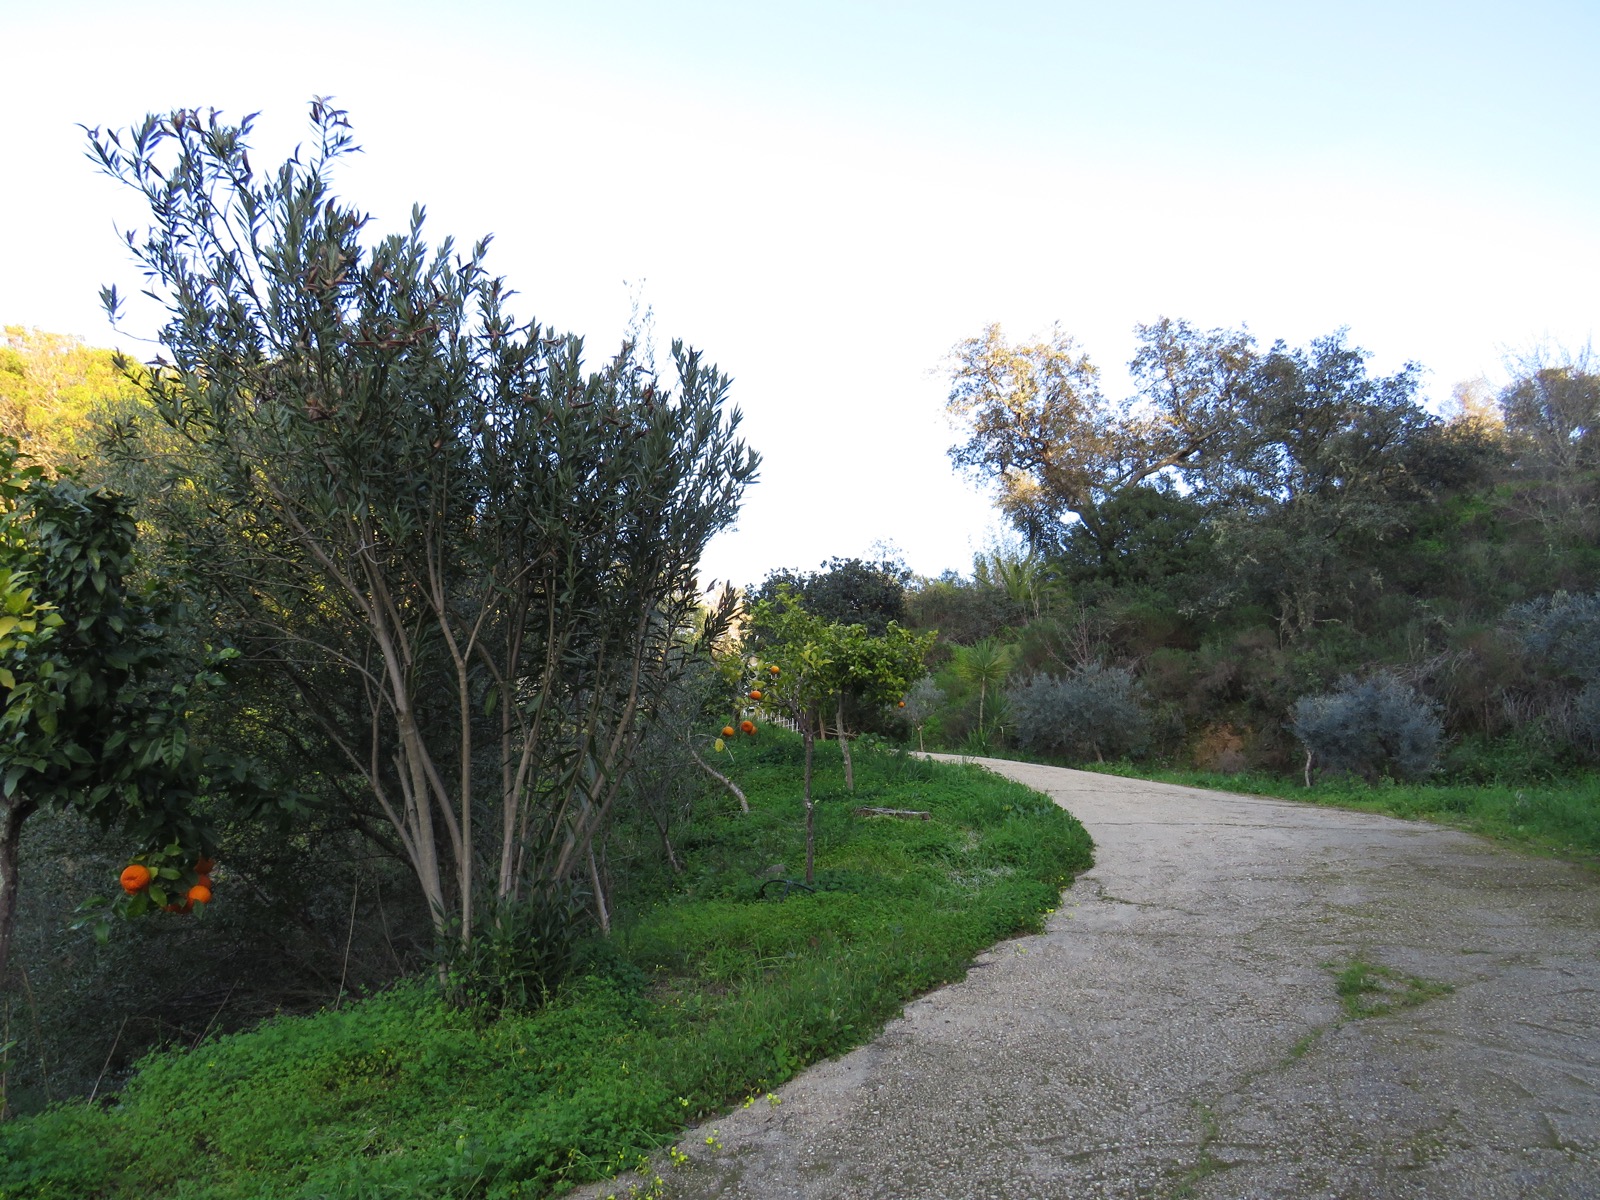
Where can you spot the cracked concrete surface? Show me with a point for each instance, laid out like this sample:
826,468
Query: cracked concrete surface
1176,1031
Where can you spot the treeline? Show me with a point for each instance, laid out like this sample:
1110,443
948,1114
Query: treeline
1211,571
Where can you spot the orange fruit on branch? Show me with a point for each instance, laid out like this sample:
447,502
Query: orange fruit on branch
755,693
727,731
200,894
748,726
773,669
135,878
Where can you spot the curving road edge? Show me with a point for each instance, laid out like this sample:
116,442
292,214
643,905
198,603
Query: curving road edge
1178,1030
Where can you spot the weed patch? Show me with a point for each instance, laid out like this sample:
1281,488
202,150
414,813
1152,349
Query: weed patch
1372,990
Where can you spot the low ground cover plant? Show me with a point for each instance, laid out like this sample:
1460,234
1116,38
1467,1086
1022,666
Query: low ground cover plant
717,983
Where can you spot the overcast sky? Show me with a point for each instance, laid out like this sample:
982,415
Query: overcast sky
827,197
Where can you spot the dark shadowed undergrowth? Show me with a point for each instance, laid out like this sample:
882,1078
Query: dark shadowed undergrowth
710,990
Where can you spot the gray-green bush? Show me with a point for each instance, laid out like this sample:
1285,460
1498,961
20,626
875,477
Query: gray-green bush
1094,713
1372,727
1561,635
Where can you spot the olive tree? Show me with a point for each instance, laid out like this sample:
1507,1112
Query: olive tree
1090,713
1369,727
466,554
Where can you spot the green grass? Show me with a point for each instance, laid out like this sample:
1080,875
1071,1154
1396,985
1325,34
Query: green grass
705,995
1560,817
1372,990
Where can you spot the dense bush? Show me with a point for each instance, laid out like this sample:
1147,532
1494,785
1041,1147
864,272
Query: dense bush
1562,631
1373,727
1094,712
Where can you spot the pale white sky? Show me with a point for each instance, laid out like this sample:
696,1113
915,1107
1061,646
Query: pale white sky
827,197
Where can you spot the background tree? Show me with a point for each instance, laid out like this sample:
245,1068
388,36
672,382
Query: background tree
1039,427
1369,727
818,662
846,591
1552,411
1330,462
469,557
52,387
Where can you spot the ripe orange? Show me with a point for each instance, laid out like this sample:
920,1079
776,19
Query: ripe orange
902,704
748,726
135,878
727,731
200,894
755,694
773,669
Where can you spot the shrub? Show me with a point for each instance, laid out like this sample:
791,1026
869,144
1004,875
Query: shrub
521,949
1094,712
1562,631
1373,727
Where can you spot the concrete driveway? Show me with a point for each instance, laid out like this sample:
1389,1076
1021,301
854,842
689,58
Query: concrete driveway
1178,1030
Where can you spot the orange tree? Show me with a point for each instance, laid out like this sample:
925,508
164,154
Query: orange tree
818,663
467,558
98,690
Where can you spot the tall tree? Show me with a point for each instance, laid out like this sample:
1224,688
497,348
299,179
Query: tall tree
1329,463
1552,411
848,591
1039,427
470,556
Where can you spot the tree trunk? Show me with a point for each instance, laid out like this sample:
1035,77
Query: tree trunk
13,813
844,748
811,828
666,842
600,909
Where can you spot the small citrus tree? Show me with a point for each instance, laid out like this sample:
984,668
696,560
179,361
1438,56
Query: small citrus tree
97,695
817,663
